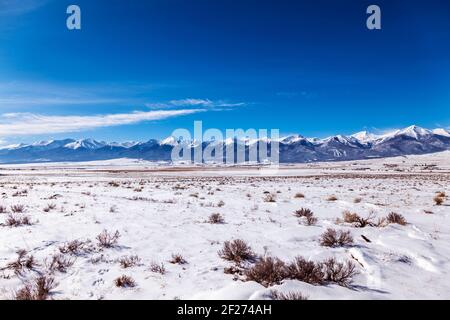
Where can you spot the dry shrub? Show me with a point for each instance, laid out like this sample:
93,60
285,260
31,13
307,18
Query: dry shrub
396,218
270,198
17,208
357,200
23,262
299,195
216,218
441,194
49,207
438,200
276,295
267,271
3,209
59,263
305,271
17,221
338,272
129,261
332,198
38,290
307,215
237,251
75,247
333,238
114,184
125,282
108,240
358,221
177,259
158,268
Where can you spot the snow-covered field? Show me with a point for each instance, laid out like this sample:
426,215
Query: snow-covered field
161,211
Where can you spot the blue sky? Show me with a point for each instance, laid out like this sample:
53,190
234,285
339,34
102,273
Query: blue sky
140,69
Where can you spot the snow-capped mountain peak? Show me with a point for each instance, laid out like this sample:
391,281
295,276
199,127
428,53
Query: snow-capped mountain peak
442,132
364,136
85,143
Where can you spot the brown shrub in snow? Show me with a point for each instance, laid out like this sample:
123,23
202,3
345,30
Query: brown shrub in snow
338,272
307,215
40,289
129,261
216,218
17,221
237,251
299,195
23,262
333,238
108,240
59,263
17,208
396,218
439,200
74,247
267,271
177,259
305,271
125,282
158,268
358,221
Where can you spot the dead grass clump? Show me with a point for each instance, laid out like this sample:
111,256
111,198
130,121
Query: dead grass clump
338,272
158,268
267,272
439,200
307,215
108,240
17,208
396,218
177,259
276,295
3,209
237,251
23,262
129,261
332,198
333,238
216,218
49,207
114,184
299,195
305,271
75,247
40,289
358,221
125,282
17,221
59,263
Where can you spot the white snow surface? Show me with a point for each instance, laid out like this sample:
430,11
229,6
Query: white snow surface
161,210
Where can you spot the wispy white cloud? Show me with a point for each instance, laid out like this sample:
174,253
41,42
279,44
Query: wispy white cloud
17,7
21,124
206,103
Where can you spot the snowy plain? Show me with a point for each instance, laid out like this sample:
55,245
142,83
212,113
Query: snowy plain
161,210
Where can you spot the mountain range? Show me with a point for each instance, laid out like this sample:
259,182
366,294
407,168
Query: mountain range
292,149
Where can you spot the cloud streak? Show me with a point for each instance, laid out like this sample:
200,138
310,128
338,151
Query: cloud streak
23,124
205,103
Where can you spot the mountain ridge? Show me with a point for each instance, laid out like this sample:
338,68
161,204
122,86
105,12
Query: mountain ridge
293,148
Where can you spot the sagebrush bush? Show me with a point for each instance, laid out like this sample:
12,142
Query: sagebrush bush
75,247
267,271
396,218
108,240
358,221
237,251
307,215
125,282
299,195
23,262
158,268
17,208
40,289
332,198
333,238
59,263
129,261
178,259
216,218
17,221
305,271
338,272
